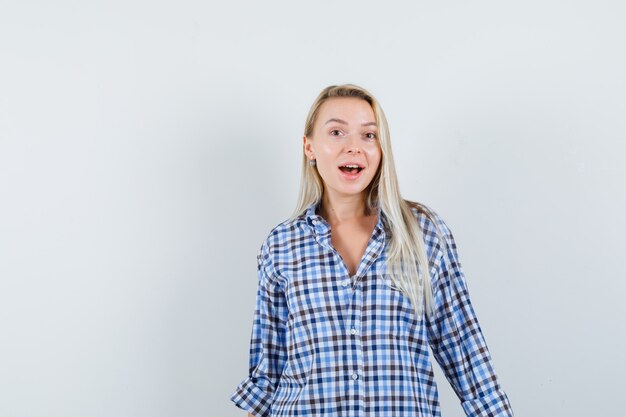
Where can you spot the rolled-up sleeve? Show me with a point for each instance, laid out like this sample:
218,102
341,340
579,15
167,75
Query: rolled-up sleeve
267,343
457,341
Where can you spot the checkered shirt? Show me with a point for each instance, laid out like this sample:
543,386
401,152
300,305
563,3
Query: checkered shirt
325,343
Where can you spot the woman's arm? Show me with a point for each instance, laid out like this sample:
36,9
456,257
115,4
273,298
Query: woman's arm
267,342
457,341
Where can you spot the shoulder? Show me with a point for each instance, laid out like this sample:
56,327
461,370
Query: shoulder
428,217
435,230
285,233
281,242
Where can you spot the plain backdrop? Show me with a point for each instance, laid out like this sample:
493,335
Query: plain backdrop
147,148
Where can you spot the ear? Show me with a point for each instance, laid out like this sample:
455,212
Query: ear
306,143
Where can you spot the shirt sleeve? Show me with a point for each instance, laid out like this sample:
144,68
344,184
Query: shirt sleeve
267,343
457,341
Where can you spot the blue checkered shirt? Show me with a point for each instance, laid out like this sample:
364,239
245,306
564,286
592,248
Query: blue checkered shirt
325,343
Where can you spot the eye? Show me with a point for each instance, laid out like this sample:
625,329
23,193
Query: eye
335,132
370,135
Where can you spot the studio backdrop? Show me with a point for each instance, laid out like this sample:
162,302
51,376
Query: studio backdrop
147,148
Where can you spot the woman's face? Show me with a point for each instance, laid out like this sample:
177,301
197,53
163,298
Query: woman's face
345,133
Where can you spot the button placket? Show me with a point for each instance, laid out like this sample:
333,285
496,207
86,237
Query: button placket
355,338
350,301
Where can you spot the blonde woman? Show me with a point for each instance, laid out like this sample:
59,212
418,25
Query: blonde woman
357,284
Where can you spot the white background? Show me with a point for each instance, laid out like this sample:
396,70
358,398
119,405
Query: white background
147,148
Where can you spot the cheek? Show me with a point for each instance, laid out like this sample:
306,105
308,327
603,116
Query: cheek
374,156
329,148
325,166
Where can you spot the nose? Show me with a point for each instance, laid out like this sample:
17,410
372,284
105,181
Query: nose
352,144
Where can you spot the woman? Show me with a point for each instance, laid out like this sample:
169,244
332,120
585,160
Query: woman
343,320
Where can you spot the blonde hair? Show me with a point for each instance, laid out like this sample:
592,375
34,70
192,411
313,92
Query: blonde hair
407,263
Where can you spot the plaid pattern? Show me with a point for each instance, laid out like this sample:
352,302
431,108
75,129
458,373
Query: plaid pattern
325,343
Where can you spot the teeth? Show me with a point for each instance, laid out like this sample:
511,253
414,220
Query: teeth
351,166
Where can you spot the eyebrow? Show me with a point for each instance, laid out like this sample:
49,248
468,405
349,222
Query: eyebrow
343,122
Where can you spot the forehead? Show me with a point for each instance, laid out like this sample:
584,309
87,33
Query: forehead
346,108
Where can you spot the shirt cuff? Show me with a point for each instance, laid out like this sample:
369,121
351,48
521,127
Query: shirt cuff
494,404
252,398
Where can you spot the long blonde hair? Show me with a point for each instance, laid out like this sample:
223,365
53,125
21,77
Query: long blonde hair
407,263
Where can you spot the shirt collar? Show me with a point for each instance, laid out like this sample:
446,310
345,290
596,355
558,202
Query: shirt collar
321,226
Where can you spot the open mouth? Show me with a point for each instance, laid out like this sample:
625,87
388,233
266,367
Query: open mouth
351,172
351,169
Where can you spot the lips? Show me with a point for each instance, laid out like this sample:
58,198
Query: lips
351,171
351,167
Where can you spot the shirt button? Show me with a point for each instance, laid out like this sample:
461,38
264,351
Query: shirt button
353,331
355,376
345,282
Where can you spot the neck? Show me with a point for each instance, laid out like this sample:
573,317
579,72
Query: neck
340,209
